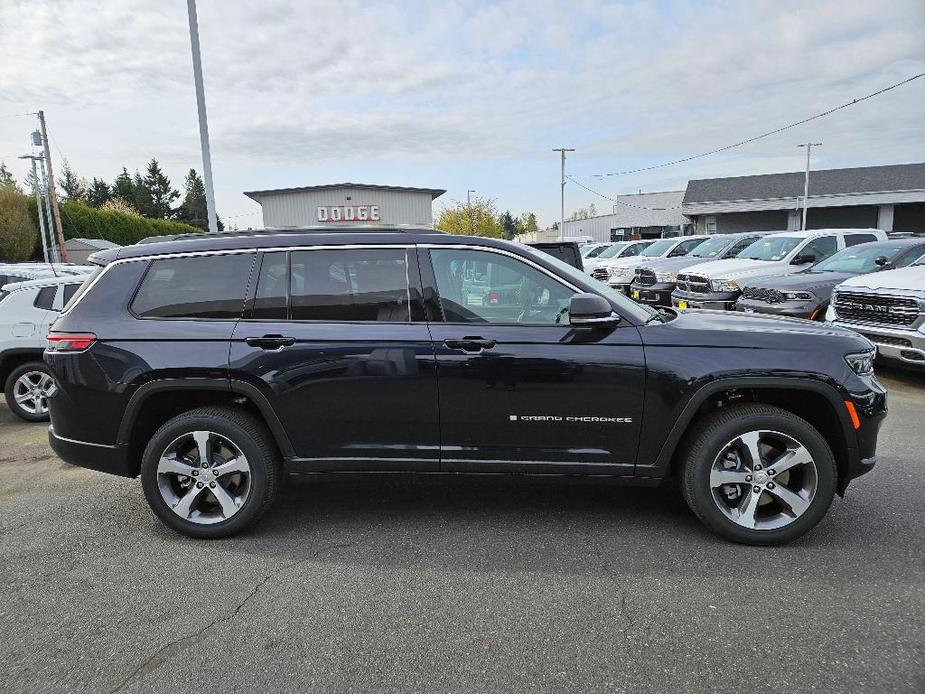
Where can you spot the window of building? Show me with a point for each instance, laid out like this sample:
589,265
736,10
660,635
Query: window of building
200,287
709,225
45,298
486,287
350,285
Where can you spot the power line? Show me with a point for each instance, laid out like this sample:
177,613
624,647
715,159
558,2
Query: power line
756,137
620,202
18,115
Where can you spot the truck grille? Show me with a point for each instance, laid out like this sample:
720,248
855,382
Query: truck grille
600,273
772,296
693,283
876,309
645,276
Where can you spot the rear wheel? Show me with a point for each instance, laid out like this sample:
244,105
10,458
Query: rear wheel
758,474
27,390
210,472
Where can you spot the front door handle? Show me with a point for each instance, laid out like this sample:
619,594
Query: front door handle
270,341
470,344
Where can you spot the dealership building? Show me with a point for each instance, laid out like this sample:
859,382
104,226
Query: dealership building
638,215
891,198
345,203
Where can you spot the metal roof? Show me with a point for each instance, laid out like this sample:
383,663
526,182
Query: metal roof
867,179
434,192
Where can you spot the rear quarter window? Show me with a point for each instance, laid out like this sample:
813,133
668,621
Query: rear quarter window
45,298
209,287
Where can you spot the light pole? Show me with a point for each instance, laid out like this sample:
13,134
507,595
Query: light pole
38,206
469,208
809,148
562,150
203,123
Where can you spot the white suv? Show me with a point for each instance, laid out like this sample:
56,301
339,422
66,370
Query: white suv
622,271
888,308
717,284
26,311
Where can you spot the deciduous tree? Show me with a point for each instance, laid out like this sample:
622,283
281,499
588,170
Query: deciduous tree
480,217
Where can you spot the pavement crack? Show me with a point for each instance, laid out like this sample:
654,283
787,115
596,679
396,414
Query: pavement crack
162,654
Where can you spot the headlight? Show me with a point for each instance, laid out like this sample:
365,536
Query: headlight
620,272
798,296
723,286
862,363
666,276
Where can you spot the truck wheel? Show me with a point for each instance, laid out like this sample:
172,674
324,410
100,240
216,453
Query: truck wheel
758,474
27,390
210,472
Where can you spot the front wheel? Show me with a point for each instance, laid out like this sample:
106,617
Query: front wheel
758,474
27,390
210,472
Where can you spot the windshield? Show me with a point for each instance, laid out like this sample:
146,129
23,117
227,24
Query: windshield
627,306
592,251
770,248
613,250
920,261
710,248
659,248
858,258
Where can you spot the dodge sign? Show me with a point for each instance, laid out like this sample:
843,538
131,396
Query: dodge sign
348,213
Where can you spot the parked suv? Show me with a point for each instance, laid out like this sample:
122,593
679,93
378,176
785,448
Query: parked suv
657,277
26,311
215,366
621,271
806,294
888,308
717,284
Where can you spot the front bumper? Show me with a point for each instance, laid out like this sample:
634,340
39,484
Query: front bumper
94,456
894,344
792,309
720,301
658,294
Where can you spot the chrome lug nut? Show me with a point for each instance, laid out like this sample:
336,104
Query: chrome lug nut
771,485
195,473
757,466
212,484
756,489
205,465
771,472
748,478
199,485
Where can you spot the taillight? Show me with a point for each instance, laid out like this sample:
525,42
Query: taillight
70,342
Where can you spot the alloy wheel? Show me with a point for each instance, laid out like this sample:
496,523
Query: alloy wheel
203,477
763,480
32,390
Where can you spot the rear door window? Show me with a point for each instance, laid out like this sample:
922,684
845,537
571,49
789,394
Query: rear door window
208,287
69,291
45,299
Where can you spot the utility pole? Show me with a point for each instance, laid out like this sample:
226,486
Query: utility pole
38,205
52,195
55,256
809,148
469,208
203,123
562,150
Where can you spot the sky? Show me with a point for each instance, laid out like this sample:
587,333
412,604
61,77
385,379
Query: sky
462,95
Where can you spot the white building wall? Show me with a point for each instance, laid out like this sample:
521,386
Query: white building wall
300,208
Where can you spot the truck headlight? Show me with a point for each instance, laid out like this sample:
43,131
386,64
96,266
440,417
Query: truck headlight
617,273
862,363
666,276
724,286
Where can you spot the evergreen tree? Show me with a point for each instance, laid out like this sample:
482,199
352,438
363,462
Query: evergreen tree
73,188
123,188
508,228
193,209
160,193
141,196
98,192
6,178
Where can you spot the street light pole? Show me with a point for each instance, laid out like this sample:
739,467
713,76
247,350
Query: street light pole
562,150
203,123
38,206
469,208
50,190
809,148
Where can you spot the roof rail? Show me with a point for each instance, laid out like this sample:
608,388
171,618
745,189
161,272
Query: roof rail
326,229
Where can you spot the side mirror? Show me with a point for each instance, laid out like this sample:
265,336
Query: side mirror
803,258
588,310
881,260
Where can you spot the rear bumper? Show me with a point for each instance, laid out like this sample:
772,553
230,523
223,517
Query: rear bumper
94,456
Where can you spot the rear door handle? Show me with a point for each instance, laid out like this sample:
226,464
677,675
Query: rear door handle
270,341
470,344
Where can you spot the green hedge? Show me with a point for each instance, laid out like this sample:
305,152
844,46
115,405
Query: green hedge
82,222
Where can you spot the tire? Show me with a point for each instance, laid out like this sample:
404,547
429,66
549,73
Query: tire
222,497
35,378
719,458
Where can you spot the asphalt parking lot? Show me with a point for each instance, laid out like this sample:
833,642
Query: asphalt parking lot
468,585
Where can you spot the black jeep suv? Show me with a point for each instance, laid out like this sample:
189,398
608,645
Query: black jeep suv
214,366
